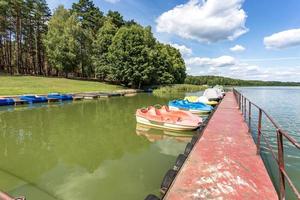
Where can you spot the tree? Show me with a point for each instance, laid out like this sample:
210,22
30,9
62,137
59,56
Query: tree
91,19
100,49
72,53
83,41
116,18
129,56
55,38
89,15
175,62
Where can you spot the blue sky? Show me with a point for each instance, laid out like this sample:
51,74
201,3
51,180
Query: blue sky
244,39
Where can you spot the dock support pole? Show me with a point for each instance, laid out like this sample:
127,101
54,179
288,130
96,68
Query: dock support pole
245,108
281,164
259,131
249,117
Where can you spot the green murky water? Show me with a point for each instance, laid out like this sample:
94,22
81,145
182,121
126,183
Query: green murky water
84,150
94,149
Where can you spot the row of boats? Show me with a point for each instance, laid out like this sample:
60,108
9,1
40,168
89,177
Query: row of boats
36,99
181,114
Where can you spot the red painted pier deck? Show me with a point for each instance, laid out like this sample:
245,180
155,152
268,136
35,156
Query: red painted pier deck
223,164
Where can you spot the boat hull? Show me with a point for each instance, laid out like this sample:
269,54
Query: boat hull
61,97
31,100
7,102
165,125
194,111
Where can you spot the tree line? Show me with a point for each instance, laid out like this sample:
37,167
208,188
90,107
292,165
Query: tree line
83,42
219,80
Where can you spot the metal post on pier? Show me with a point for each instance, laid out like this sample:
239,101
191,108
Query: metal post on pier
281,165
259,131
245,108
249,116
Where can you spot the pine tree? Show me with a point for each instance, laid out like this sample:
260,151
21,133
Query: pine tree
91,19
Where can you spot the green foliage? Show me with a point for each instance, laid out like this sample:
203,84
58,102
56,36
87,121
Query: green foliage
83,42
100,49
72,52
178,88
89,15
55,39
91,19
219,80
173,65
129,56
116,18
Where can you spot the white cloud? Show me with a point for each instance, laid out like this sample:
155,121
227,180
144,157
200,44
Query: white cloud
231,67
237,48
221,61
185,51
283,39
205,21
112,1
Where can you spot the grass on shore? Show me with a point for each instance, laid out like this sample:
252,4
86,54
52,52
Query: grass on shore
16,85
178,88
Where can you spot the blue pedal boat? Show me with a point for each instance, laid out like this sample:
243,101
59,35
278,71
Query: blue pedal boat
33,99
7,101
193,107
62,97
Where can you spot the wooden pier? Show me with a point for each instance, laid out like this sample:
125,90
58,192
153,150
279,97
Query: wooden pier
223,163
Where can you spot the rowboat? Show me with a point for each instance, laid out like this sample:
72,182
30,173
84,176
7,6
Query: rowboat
193,107
33,99
201,99
164,118
6,101
62,97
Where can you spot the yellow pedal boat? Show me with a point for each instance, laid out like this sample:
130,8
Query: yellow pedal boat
201,99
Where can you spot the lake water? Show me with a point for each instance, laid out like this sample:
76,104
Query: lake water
85,150
94,150
283,104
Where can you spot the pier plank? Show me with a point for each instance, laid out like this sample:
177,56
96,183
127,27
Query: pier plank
223,164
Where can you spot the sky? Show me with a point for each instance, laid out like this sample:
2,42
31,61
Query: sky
246,39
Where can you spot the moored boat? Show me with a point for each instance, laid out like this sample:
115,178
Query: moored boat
220,89
62,97
193,107
201,99
167,119
212,94
6,101
33,99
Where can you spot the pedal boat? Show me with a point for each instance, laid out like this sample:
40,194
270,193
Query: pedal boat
201,99
193,107
164,118
61,97
6,101
33,99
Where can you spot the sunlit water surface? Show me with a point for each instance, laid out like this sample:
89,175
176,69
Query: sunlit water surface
85,150
94,149
283,104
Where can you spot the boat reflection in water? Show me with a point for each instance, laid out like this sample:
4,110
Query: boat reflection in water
154,135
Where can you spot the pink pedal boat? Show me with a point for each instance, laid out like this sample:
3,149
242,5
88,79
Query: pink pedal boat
164,118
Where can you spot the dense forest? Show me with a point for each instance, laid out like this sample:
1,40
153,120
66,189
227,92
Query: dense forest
219,80
86,43
83,42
